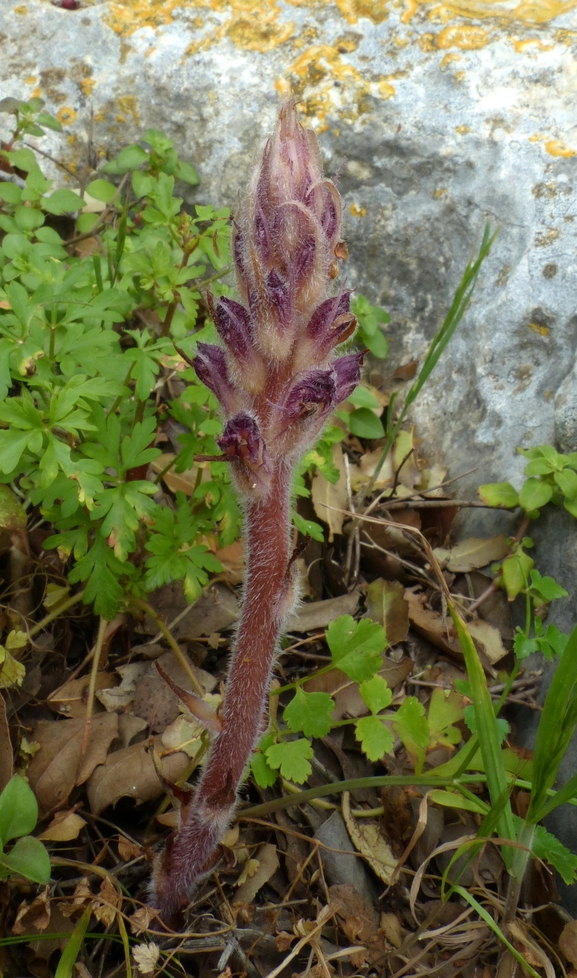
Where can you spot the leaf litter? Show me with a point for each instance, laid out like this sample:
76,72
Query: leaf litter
103,778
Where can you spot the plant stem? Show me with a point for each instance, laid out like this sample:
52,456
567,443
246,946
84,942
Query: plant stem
243,716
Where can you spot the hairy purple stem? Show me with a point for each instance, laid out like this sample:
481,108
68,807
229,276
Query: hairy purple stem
191,855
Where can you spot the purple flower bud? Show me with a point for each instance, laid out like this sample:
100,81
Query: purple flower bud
233,325
211,369
331,323
348,371
242,440
314,393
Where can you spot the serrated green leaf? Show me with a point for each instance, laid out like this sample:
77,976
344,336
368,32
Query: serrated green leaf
376,694
263,774
411,726
547,847
356,647
375,738
547,587
291,757
309,713
499,494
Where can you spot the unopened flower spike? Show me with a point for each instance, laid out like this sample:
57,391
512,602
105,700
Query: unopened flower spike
277,380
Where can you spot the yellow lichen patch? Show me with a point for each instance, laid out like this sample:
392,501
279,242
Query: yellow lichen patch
352,10
440,192
555,147
87,85
462,130
127,104
386,90
537,137
259,34
411,7
538,328
126,18
31,80
36,92
357,211
428,43
526,11
282,87
528,45
66,115
464,37
21,9
544,238
448,59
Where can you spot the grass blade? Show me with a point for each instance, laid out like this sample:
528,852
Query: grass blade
72,950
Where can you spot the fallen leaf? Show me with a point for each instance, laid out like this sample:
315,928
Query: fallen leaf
319,614
362,474
12,672
488,639
127,850
405,464
359,919
185,733
386,604
215,611
36,914
186,481
473,553
568,942
44,948
64,827
107,903
268,864
406,371
116,697
71,698
59,766
141,919
146,957
154,701
368,839
81,898
131,773
329,499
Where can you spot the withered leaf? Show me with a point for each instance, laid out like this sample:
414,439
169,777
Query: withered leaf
58,766
386,604
130,772
368,839
319,614
330,499
267,865
64,827
473,553
71,698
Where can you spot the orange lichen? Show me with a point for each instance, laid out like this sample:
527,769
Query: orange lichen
66,115
448,59
21,9
87,84
462,130
529,44
555,147
31,80
464,37
127,104
538,328
357,211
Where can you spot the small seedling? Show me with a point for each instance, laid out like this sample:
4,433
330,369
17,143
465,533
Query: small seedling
18,817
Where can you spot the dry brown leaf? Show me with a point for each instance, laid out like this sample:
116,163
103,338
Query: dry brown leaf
36,914
107,903
131,773
362,474
64,827
59,766
488,639
6,761
154,701
141,919
128,850
267,860
81,899
330,498
117,697
215,611
405,465
71,699
386,604
359,919
44,948
368,839
186,481
319,614
470,554
392,929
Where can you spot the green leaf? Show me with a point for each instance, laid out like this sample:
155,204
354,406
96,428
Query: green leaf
29,858
498,494
292,758
503,726
62,202
308,528
534,495
376,694
567,482
102,190
310,713
547,847
129,158
516,569
377,343
102,571
18,810
86,222
73,947
546,587
411,725
263,774
375,738
10,193
356,647
365,424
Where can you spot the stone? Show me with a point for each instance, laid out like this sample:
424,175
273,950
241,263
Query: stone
438,117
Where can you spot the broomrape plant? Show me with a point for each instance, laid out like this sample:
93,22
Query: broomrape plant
277,381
